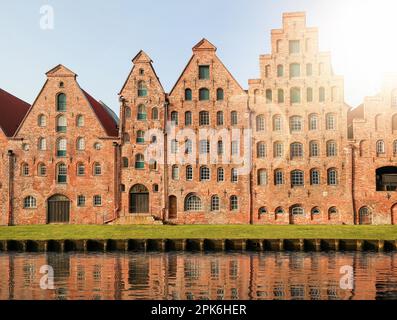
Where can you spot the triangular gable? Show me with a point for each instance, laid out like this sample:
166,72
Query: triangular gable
61,71
204,45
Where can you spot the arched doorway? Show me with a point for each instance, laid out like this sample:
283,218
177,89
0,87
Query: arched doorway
139,199
172,208
365,216
296,213
394,214
58,209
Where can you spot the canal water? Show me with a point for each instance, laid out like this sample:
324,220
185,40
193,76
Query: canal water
199,276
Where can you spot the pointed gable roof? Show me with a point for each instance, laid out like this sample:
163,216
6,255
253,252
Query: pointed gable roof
61,71
141,57
204,45
12,112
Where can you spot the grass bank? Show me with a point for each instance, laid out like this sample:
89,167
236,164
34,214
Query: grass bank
70,232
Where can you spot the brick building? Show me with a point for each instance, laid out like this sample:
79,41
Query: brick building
286,151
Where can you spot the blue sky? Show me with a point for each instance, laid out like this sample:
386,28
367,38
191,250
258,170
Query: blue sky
97,39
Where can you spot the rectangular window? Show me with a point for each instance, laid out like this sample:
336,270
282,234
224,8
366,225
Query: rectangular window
235,148
294,46
81,201
97,201
234,176
174,146
221,175
204,147
204,72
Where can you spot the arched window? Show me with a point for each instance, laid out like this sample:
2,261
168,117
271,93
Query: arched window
29,202
188,146
193,203
321,94
189,173
297,178
61,124
139,162
315,177
295,124
125,162
142,89
295,70
220,94
279,211
295,95
42,144
316,211
220,175
219,118
62,173
220,147
81,169
280,96
278,149
80,121
174,146
332,150
380,147
332,211
188,118
25,170
269,96
278,177
175,173
331,121
204,94
262,177
277,123
234,118
97,169
297,210
155,114
260,123
296,150
42,121
280,70
42,170
127,112
309,94
256,95
261,152
142,114
332,177
215,203
267,71
174,118
61,147
234,175
262,211
61,102
205,174
205,146
313,122
395,148
80,144
204,118
314,149
140,137
233,203
188,95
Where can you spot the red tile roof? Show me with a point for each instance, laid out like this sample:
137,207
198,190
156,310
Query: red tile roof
108,122
12,112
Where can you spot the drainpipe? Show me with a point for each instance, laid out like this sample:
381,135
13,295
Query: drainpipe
251,174
10,186
117,190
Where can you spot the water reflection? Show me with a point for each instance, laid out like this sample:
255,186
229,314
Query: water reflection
231,276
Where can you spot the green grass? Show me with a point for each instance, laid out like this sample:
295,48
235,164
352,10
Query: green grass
197,232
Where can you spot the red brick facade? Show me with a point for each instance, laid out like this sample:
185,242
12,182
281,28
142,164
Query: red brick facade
286,151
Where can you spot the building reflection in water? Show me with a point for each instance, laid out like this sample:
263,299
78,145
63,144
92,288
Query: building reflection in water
223,276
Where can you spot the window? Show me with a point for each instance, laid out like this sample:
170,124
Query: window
314,149
331,149
309,69
297,178
80,144
295,95
62,173
127,112
61,147
97,146
188,146
42,121
140,137
80,121
380,147
296,150
262,177
309,94
235,148
294,46
313,122
316,211
321,94
280,95
61,102
152,165
395,148
296,124
331,121
204,118
205,174
141,72
332,211
204,72
234,118
278,150
29,203
278,177
261,152
267,71
220,175
295,70
25,147
97,169
260,123
155,114
139,162
155,188
315,177
279,211
189,173
142,115
175,173
234,175
188,118
174,146
219,118
215,203
42,170
262,211
332,177
204,94
269,96
142,89
280,70
81,201
278,46
42,144
188,95
233,203
61,124
220,94
97,201
205,146
174,118
220,147
125,162
277,123
81,169
297,210
193,203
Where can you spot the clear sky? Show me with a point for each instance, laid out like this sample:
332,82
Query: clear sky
97,39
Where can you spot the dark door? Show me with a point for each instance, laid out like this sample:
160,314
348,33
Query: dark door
139,199
58,210
365,216
173,208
